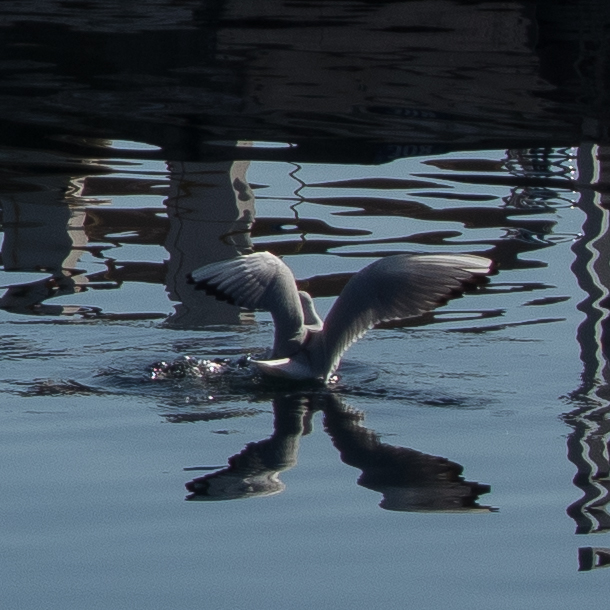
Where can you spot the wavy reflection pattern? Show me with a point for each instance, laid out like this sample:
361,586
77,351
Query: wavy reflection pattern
589,419
68,224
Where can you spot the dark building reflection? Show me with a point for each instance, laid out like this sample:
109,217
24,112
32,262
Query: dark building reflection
408,480
348,81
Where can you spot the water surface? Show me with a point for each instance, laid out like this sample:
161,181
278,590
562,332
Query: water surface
460,459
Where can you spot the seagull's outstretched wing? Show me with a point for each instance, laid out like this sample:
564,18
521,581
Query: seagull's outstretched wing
259,281
393,288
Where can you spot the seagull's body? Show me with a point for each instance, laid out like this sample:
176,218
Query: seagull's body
304,347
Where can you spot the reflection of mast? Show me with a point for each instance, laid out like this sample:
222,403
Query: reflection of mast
593,274
588,443
588,451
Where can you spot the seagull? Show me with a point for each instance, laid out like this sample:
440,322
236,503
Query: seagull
307,348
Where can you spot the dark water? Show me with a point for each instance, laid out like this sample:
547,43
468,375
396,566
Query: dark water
461,459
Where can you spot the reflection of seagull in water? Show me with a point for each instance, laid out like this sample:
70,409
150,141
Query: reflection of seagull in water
255,471
304,347
409,480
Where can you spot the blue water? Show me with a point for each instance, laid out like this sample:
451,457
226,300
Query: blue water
461,458
94,450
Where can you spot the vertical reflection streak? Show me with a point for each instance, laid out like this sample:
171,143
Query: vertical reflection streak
587,443
584,268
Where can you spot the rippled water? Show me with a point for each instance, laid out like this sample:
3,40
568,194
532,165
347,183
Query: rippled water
94,484
460,459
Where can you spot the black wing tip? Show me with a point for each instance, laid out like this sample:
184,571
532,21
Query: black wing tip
476,280
469,285
474,283
210,289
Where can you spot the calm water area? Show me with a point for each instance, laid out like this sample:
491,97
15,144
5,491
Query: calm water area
460,460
